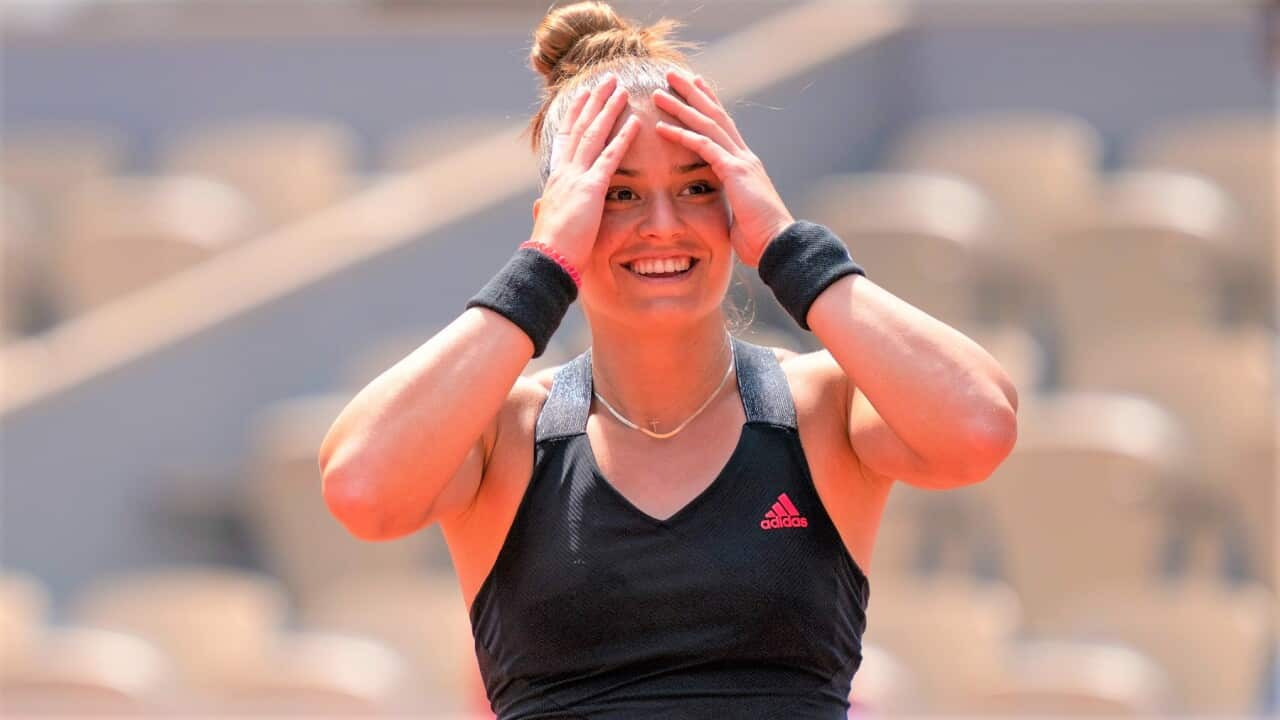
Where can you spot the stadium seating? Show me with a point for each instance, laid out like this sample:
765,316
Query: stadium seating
211,621
925,238
21,266
302,543
1074,679
310,673
419,146
90,672
1038,168
1220,384
1083,498
122,234
48,162
1155,251
1023,357
1238,151
951,631
422,616
286,167
923,532
884,686
24,610
1210,637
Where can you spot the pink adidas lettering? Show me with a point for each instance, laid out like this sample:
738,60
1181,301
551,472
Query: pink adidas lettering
783,514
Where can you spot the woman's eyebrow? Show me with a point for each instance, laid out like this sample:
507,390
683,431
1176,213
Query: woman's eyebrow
680,169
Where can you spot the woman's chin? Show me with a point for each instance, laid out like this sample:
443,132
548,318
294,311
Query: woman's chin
667,311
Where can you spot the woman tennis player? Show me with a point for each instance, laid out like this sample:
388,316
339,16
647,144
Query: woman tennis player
676,523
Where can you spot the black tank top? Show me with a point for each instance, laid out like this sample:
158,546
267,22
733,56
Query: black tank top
743,604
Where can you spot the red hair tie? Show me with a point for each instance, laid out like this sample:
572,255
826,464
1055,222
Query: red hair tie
560,259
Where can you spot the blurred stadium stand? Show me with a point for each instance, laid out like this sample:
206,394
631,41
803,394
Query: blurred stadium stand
221,220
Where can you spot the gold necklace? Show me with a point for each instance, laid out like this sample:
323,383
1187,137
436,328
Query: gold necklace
663,436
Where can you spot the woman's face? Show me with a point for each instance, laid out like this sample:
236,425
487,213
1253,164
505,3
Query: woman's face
664,208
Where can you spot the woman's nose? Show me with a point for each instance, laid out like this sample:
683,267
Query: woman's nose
663,219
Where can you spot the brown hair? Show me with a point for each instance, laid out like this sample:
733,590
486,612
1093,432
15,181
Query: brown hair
575,44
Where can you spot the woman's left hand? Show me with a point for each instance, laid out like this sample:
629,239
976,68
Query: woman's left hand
758,212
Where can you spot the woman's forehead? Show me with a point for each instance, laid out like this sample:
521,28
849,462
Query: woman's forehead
650,152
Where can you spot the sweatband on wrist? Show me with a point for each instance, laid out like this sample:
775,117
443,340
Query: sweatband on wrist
532,291
561,260
801,262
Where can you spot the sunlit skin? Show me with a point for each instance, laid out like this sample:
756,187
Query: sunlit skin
658,346
895,395
652,209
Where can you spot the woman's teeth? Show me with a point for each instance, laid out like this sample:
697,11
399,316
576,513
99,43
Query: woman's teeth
661,267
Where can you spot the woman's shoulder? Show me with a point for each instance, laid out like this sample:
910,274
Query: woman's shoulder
526,399
525,402
542,378
810,371
819,386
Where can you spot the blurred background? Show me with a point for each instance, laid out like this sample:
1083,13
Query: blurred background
220,220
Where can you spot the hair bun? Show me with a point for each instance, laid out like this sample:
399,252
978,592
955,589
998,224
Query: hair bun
577,42
558,42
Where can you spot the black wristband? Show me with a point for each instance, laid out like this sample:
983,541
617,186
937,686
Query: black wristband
532,291
801,262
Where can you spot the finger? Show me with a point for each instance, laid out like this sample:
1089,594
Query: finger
725,119
722,162
693,119
703,101
596,101
576,104
611,157
706,88
597,133
561,140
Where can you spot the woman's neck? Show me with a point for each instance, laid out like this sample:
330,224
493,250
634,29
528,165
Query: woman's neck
661,375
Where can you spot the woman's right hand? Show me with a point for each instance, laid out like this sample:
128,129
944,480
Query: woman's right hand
568,213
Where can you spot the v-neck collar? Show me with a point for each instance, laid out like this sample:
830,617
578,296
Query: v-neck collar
706,492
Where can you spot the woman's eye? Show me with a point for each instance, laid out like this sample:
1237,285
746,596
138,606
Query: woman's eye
626,194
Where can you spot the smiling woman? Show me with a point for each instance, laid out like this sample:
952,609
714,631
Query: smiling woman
635,535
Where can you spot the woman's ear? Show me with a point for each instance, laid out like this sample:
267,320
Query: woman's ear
536,204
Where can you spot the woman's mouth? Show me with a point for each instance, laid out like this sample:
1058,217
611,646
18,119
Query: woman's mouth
669,268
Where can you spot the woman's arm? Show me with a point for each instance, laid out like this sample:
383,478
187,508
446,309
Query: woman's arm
410,447
927,405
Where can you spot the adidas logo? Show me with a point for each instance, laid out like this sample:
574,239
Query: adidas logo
783,515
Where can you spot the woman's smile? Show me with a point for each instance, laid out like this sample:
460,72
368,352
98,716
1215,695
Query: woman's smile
661,270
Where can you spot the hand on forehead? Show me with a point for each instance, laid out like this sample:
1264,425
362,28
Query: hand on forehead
590,110
648,147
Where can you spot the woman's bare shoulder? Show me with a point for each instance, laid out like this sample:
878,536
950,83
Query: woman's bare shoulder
508,445
817,381
515,428
525,401
544,376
